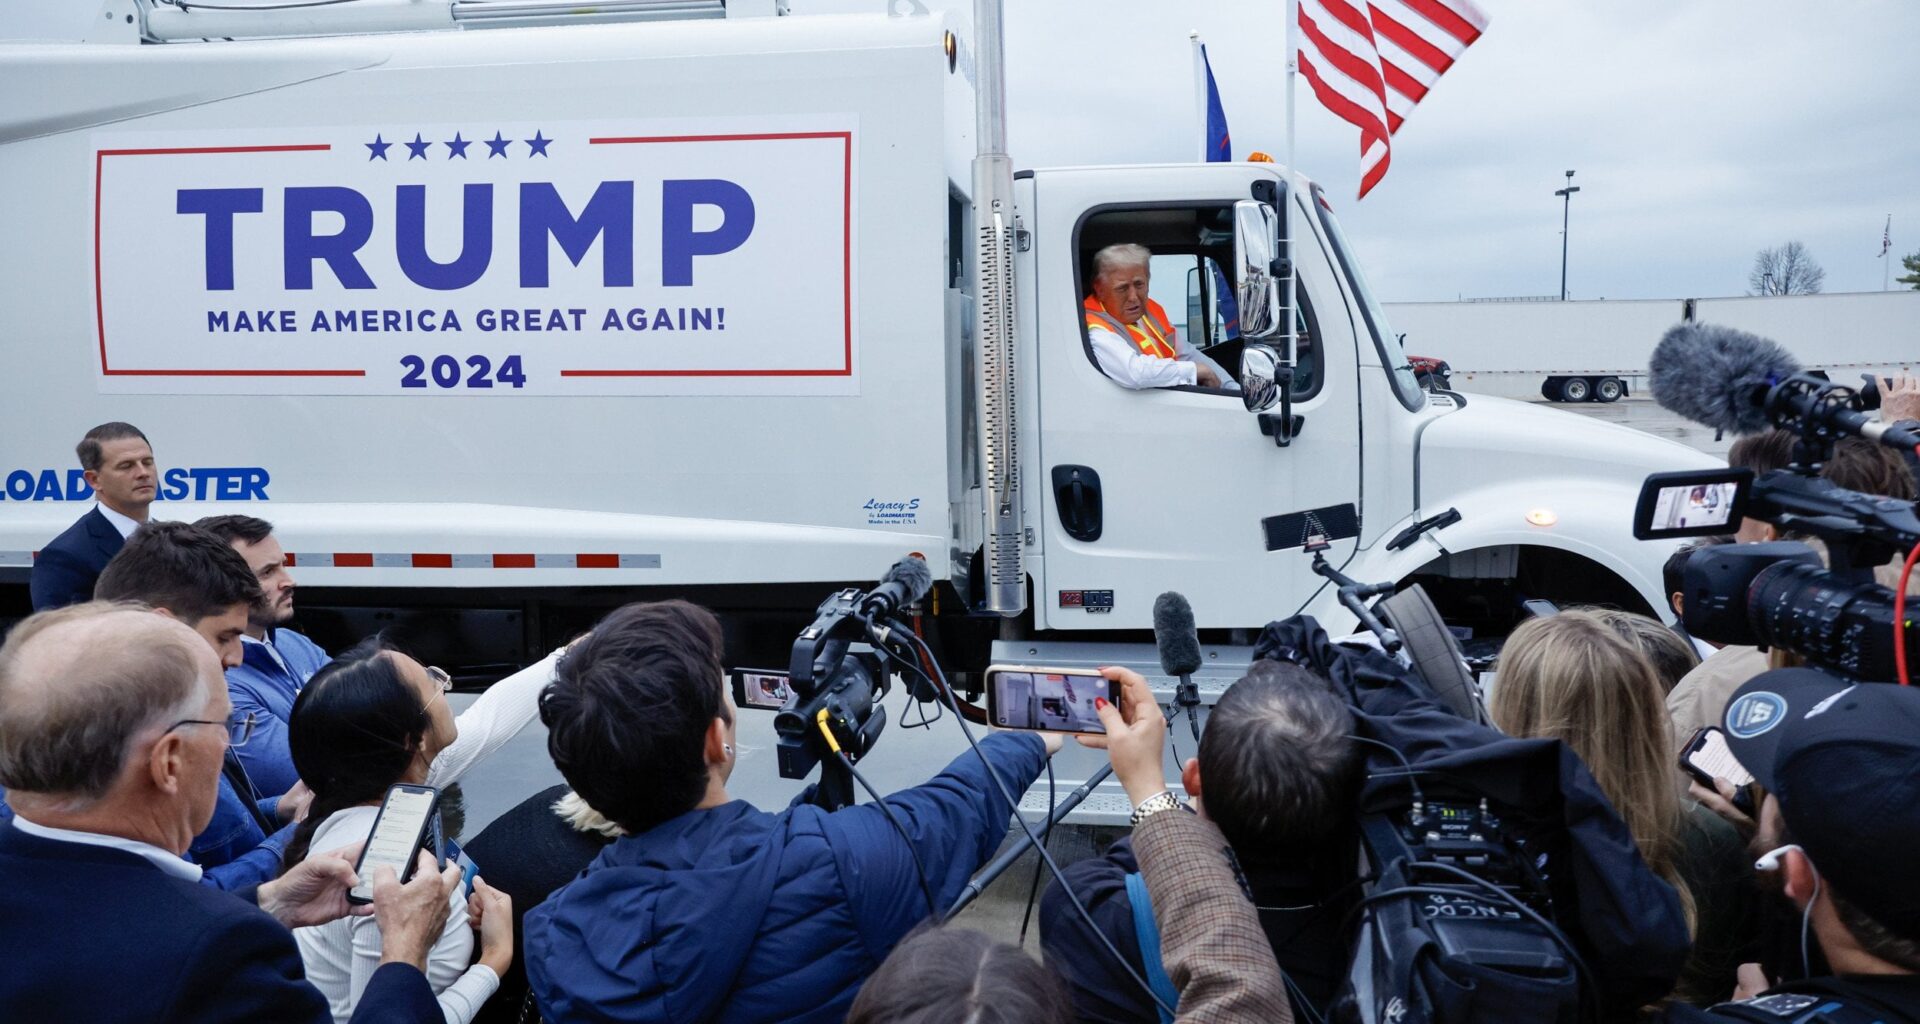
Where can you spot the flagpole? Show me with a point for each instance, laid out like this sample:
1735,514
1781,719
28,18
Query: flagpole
1293,180
1199,88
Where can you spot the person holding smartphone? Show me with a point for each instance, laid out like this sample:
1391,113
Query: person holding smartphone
371,719
1277,775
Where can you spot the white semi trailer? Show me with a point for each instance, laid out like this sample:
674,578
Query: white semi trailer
1597,351
503,328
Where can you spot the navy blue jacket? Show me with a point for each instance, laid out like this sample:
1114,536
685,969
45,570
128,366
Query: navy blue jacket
93,934
65,570
733,914
244,841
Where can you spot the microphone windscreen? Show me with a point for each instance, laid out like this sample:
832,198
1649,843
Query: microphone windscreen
1717,376
913,574
1174,634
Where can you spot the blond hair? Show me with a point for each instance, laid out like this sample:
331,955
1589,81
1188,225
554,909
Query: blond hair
1573,678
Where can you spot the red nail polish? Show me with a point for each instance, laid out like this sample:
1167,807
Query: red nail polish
1099,702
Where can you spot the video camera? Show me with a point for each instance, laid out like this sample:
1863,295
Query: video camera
1780,594
827,702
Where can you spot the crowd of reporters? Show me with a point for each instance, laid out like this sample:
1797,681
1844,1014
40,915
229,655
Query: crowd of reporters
189,784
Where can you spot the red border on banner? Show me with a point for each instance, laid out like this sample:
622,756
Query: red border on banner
846,256
99,300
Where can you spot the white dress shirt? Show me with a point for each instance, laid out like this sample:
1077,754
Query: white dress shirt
172,863
1122,360
125,525
341,956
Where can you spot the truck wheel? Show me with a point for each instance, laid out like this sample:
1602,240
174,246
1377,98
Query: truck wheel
1550,388
1575,389
1609,389
1432,650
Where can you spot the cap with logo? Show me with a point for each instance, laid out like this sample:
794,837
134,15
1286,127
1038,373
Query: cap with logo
1844,762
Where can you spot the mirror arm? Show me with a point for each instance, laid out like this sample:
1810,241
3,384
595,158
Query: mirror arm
1283,426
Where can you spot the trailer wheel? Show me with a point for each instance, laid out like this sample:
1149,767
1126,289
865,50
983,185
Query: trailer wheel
1575,389
1431,648
1550,388
1609,389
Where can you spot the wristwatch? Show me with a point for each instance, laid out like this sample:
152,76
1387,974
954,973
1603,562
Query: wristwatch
1161,801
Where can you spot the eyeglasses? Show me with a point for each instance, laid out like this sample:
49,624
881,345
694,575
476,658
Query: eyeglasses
239,727
439,675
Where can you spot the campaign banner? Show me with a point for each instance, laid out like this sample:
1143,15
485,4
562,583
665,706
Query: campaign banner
643,257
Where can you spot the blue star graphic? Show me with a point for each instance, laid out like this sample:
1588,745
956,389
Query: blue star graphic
379,147
417,149
537,145
458,147
497,146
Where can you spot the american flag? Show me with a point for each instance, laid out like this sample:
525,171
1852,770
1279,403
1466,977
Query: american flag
1886,236
1372,61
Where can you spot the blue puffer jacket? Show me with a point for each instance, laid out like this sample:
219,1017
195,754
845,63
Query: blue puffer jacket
736,915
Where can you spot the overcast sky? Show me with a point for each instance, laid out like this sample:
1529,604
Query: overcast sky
1702,131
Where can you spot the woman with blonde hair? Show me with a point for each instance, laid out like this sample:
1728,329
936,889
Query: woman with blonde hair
1575,678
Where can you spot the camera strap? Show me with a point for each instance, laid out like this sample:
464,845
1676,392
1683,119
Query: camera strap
1147,932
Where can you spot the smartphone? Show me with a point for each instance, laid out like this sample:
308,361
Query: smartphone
405,825
761,688
1707,757
1539,609
1047,699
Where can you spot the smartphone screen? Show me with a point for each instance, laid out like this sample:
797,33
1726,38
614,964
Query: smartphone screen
1708,757
760,688
404,819
1047,699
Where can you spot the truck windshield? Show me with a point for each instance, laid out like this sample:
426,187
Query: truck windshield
1399,371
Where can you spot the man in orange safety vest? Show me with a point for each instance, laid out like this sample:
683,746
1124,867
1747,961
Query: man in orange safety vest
1133,341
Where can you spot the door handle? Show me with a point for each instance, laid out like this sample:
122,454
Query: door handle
1076,493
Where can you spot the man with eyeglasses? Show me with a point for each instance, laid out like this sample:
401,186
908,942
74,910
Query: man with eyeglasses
1840,765
194,577
113,726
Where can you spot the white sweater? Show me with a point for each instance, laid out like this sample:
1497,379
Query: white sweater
341,956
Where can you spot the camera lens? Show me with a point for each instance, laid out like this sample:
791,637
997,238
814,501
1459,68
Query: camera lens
1843,626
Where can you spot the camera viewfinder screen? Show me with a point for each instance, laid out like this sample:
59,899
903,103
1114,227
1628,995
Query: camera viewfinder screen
1692,506
764,689
1049,701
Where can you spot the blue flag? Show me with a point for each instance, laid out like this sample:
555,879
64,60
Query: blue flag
1219,142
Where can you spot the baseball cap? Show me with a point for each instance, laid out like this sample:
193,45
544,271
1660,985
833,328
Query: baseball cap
1843,760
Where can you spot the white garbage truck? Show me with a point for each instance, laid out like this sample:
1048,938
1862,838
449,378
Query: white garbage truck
507,313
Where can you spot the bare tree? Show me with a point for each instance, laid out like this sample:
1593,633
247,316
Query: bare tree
1787,270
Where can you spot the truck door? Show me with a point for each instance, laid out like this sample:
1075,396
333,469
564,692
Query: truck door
1149,489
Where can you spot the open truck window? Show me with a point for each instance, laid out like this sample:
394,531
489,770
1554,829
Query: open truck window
1190,293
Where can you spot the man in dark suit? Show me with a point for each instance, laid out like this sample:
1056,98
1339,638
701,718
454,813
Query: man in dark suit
118,464
113,725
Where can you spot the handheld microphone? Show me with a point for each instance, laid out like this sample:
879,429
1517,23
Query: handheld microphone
1734,381
908,581
1179,645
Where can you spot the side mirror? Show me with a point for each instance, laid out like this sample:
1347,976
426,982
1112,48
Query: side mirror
1259,376
1256,243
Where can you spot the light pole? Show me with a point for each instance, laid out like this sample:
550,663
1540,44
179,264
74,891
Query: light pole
1566,194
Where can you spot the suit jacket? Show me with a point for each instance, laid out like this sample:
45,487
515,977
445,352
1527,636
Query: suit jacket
1211,939
89,933
65,570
